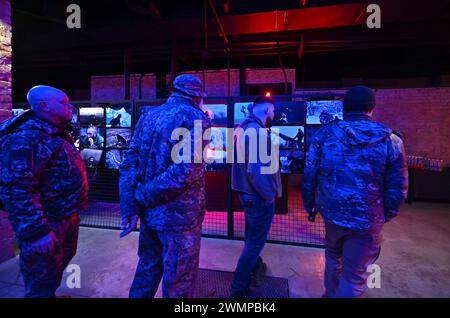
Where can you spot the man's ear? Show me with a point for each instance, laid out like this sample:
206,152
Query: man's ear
43,106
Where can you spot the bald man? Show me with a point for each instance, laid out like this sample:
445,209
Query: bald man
43,187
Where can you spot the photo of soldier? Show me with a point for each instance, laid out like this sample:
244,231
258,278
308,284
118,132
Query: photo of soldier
288,137
90,138
113,159
218,113
292,161
289,113
118,116
118,137
241,111
75,116
91,157
91,116
322,112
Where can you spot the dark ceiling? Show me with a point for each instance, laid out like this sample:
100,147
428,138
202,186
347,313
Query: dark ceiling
322,39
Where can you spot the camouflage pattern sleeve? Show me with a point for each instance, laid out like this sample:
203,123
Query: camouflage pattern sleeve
24,161
128,174
310,174
174,180
395,178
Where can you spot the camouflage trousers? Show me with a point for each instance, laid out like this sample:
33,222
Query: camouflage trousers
170,255
42,273
348,253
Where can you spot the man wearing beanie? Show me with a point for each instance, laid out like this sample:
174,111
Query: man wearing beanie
356,177
166,192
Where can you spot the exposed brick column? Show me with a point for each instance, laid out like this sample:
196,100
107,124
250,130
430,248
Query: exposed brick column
6,233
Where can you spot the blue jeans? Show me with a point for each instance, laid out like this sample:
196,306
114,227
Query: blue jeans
258,218
348,253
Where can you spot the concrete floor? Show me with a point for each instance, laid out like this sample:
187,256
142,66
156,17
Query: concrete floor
415,260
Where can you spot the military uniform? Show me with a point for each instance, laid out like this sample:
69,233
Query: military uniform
356,177
169,197
43,187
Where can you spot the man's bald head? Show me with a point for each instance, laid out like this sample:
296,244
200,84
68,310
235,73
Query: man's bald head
50,103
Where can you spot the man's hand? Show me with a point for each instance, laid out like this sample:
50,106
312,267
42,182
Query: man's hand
129,224
44,245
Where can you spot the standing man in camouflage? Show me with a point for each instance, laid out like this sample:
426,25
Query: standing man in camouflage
43,187
356,177
168,197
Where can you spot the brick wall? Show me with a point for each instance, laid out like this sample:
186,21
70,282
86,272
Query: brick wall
269,76
216,81
113,88
6,233
421,115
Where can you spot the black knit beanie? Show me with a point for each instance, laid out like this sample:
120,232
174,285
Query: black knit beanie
359,99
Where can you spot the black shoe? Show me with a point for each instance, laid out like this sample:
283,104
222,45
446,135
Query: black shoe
258,274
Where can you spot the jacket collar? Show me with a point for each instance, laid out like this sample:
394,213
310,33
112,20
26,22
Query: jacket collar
252,118
177,97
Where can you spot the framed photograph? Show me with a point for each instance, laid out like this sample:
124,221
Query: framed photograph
91,137
218,112
74,116
288,137
118,137
241,111
292,161
92,157
118,116
91,116
219,156
114,158
289,113
218,138
322,112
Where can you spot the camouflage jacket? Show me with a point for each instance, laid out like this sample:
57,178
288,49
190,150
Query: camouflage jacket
355,173
42,175
166,195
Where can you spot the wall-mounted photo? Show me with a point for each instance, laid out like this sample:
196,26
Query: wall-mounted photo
92,157
118,116
74,116
91,137
218,113
292,161
114,158
219,156
322,112
289,113
218,139
241,111
288,137
118,137
91,116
